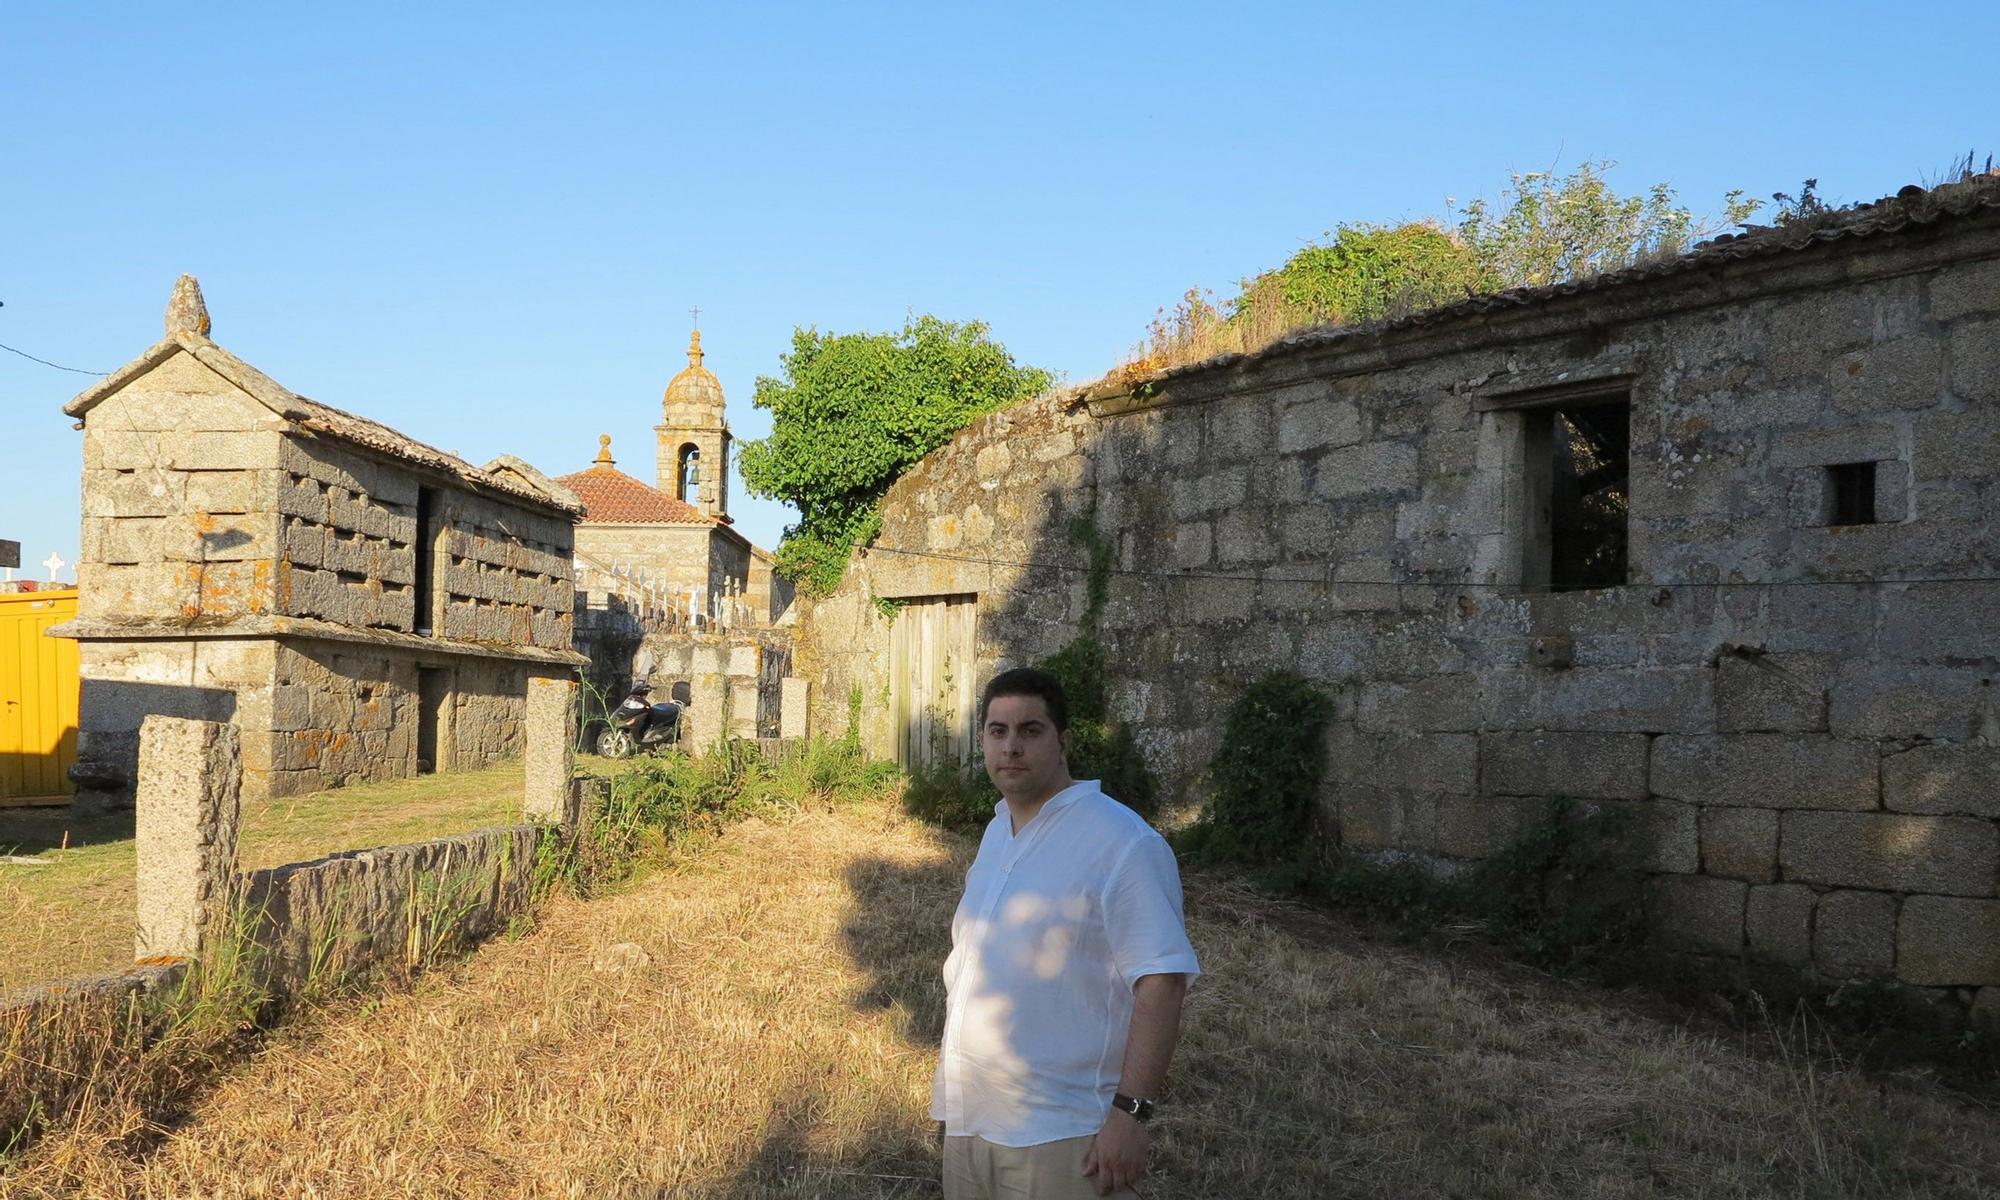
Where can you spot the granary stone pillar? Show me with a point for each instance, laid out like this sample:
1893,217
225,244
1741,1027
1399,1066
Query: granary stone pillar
708,714
189,807
795,695
551,733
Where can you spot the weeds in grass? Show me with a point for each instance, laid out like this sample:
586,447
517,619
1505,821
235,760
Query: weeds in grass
1265,782
441,906
1559,894
661,804
951,796
126,1057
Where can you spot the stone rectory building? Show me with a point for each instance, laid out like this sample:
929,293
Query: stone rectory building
1715,542
360,605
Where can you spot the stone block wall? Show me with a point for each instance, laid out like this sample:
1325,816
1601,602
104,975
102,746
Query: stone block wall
736,676
487,712
507,575
1802,717
206,679
344,713
676,558
179,496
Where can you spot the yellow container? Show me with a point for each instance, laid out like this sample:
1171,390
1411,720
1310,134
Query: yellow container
38,686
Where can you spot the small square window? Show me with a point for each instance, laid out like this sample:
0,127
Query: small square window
1850,494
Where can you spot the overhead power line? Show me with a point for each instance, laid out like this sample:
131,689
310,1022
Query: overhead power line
45,362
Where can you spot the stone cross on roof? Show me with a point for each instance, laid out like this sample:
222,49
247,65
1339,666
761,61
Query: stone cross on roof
54,563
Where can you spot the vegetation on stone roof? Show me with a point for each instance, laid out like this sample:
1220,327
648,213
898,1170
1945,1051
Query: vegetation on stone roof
1546,229
1552,238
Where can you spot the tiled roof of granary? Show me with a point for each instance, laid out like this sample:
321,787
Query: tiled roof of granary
350,427
612,497
1912,207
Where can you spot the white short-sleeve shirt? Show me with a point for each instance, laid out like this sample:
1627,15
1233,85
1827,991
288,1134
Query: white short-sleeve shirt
1056,924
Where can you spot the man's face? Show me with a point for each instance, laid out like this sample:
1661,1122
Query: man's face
1024,753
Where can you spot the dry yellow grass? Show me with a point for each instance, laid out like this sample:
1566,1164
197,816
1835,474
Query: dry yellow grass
780,1039
74,916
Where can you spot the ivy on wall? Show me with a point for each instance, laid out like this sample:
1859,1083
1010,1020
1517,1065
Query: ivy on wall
1265,780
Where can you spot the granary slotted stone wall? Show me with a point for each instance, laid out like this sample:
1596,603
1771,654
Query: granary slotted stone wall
1801,717
349,531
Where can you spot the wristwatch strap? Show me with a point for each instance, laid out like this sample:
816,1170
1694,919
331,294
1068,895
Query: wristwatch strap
1141,1109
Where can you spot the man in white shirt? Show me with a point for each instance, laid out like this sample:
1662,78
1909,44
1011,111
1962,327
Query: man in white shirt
1069,962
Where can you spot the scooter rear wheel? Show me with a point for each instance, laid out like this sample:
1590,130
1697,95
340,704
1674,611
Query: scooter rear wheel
615,743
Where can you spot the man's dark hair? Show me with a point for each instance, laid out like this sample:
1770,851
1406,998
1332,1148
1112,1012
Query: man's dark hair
1028,681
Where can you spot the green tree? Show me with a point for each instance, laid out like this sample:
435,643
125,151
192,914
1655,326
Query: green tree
1549,230
851,412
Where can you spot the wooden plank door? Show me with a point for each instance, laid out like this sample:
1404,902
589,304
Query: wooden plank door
930,680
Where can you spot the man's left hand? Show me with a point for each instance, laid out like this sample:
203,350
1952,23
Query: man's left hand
1117,1155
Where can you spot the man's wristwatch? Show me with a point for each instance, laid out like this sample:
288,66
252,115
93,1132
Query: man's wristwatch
1141,1110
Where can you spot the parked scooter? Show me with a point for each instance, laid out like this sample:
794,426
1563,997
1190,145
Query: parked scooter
637,724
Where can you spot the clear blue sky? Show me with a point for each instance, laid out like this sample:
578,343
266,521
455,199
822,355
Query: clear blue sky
486,223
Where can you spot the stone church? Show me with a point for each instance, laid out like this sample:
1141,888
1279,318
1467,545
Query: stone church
673,543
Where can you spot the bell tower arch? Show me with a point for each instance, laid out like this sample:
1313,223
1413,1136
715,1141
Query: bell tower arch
693,437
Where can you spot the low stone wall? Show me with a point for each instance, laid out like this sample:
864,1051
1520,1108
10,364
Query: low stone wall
391,908
394,908
111,995
58,1037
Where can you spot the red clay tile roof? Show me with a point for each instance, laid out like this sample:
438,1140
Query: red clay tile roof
612,497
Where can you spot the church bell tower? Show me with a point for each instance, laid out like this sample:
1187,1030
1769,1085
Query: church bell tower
693,438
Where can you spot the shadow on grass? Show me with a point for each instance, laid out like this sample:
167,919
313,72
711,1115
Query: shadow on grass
897,931
32,830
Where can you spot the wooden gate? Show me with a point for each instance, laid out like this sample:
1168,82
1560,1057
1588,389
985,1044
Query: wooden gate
930,680
38,685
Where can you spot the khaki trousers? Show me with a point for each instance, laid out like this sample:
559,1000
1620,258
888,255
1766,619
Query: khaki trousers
976,1169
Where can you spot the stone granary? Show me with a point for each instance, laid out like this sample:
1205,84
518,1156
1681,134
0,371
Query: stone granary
1713,542
676,539
361,606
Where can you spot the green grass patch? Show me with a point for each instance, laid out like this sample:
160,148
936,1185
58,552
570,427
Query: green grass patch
74,916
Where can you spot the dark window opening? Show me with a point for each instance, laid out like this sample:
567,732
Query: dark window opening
425,548
1590,500
1850,494
1579,469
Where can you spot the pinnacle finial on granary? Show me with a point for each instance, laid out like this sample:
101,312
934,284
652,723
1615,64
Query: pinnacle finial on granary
186,311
